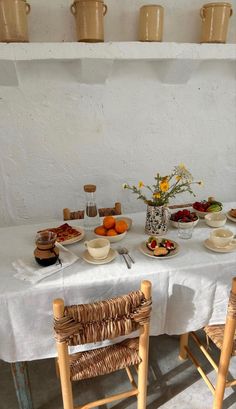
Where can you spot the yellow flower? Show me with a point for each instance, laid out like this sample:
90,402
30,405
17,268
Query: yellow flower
140,184
177,178
182,166
156,195
164,186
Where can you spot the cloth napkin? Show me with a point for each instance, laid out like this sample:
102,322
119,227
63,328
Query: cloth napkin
28,269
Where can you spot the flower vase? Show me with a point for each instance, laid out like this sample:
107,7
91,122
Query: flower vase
157,220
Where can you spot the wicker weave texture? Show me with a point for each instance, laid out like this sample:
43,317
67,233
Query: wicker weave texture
89,323
216,334
232,306
89,364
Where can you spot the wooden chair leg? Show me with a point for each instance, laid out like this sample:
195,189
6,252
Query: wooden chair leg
223,369
22,384
63,360
183,343
143,353
226,351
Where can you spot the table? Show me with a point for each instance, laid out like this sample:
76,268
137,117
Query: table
189,290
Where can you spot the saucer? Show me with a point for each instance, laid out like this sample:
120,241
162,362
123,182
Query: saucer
231,248
111,256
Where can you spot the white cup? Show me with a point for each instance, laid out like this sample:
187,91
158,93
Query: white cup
98,248
222,237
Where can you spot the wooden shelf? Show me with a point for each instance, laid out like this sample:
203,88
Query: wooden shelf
175,61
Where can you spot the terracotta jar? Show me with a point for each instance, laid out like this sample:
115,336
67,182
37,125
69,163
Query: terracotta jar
13,21
46,253
215,21
89,20
151,23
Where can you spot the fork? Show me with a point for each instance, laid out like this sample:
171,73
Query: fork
122,253
126,251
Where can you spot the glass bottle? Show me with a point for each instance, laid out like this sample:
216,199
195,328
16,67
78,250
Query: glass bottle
91,216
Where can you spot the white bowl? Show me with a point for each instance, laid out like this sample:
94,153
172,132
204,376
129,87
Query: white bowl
215,219
200,214
113,239
184,225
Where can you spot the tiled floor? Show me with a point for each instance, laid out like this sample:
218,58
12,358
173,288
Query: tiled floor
172,384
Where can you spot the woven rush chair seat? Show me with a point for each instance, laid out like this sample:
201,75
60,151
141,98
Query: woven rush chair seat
216,334
102,361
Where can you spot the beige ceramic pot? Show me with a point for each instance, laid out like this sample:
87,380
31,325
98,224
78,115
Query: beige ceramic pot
13,21
215,21
89,16
151,23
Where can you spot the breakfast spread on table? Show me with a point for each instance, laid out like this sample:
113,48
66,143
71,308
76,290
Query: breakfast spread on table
113,229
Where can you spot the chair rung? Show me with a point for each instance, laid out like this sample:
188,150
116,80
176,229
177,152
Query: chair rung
200,370
230,383
118,396
204,351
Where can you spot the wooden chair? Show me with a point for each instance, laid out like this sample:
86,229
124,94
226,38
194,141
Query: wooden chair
90,323
224,337
105,211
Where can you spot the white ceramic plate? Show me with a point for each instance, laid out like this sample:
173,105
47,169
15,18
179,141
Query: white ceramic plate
112,239
233,219
231,248
149,253
184,225
111,256
75,239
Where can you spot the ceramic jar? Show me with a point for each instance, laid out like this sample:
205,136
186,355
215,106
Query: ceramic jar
151,23
13,21
157,220
215,21
89,20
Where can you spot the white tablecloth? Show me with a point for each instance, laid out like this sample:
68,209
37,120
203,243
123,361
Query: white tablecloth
189,290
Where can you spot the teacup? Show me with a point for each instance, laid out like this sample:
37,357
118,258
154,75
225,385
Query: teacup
98,248
222,237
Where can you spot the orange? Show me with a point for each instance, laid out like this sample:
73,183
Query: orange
100,230
121,226
109,222
111,232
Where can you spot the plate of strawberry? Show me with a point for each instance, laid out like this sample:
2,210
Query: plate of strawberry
184,217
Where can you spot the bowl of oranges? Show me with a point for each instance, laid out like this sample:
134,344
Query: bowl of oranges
114,230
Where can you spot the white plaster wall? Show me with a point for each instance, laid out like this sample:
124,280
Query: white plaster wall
57,135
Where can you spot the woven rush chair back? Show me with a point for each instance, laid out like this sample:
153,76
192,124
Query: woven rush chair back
87,323
99,321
